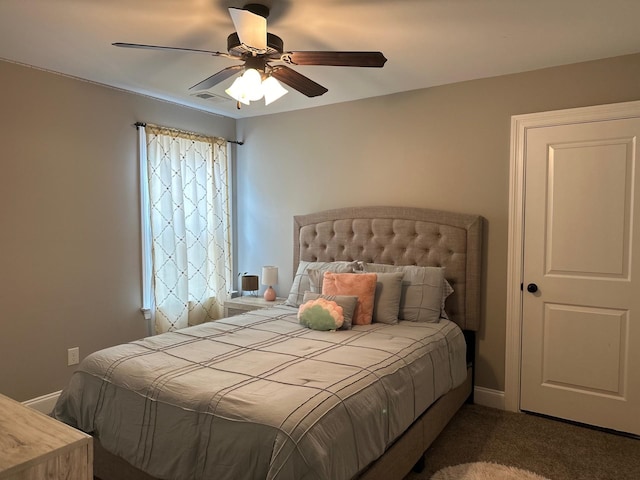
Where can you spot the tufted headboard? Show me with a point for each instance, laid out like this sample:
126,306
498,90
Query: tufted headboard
401,236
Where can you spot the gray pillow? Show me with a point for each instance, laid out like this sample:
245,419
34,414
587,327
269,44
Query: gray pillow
315,279
386,304
422,290
301,280
347,302
447,290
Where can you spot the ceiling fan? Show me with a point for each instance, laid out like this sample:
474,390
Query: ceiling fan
258,49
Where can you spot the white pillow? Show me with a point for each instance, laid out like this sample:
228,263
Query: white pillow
301,281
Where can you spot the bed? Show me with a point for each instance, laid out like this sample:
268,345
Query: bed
260,396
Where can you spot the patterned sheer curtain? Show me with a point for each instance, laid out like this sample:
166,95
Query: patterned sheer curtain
189,232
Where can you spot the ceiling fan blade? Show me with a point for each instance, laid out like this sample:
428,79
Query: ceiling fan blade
336,59
216,78
251,28
170,49
298,81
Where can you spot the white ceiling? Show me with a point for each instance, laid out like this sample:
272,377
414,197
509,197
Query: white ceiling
426,42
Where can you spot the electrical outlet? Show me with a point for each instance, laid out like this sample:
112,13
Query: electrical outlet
73,356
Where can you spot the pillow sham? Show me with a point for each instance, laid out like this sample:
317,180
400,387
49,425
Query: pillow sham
315,279
347,302
386,302
447,290
422,290
362,285
301,279
321,314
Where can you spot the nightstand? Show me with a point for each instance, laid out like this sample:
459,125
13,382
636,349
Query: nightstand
238,305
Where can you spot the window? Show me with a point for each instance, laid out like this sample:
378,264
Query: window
185,200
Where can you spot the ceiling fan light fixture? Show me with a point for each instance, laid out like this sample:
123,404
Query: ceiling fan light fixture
253,84
257,49
238,91
249,88
273,90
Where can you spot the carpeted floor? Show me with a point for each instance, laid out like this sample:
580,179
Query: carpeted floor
551,448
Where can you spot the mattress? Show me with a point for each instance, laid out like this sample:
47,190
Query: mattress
260,396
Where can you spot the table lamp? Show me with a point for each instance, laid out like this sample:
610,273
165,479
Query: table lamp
269,278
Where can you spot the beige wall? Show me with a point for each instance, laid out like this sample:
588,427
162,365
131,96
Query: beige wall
445,148
69,220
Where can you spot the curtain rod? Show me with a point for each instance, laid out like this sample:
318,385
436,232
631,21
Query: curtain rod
142,124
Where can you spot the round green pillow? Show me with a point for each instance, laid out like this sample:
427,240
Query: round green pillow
321,314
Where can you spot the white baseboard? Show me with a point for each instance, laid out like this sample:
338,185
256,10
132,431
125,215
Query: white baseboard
44,403
488,397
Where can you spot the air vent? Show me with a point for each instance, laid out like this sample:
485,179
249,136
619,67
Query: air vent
211,97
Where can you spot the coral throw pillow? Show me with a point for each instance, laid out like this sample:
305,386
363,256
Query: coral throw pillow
362,285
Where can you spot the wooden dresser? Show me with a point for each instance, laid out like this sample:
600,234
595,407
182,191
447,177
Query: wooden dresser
34,446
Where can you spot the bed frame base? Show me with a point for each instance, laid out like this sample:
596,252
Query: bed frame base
107,466
407,452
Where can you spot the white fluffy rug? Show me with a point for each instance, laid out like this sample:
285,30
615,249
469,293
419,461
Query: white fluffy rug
484,471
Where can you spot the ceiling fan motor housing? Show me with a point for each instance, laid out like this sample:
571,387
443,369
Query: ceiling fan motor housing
275,45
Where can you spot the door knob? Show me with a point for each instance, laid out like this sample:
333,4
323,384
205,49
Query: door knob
532,288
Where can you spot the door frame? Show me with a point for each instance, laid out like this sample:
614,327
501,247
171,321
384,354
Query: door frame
520,124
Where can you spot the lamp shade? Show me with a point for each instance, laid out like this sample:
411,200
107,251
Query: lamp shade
253,84
269,275
238,91
272,90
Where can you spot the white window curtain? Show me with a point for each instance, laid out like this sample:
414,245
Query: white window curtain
186,224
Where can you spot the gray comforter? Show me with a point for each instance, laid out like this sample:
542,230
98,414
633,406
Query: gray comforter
258,396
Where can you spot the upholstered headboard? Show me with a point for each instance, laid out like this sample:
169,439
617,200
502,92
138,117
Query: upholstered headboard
401,236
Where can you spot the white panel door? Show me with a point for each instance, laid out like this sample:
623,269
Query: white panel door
581,299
